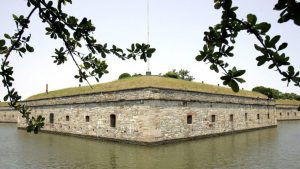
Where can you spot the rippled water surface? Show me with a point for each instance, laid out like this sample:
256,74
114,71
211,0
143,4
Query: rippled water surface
269,148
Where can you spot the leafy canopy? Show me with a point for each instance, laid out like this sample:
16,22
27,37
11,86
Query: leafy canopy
275,94
220,40
124,75
75,34
181,74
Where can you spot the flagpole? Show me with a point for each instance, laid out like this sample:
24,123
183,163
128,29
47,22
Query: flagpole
148,34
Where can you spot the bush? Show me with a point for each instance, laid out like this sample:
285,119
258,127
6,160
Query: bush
185,75
291,96
136,75
181,74
275,94
124,75
271,93
172,75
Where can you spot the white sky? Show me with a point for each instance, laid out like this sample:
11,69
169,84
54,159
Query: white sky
176,31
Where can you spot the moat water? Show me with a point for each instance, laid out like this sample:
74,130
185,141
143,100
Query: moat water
277,148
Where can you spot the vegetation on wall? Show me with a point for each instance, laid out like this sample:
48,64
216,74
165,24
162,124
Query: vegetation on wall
124,75
269,92
147,81
181,74
276,94
137,74
171,74
4,104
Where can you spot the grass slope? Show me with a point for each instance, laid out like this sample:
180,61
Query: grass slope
4,104
145,81
288,102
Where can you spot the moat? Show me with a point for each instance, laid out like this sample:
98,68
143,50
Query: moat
268,148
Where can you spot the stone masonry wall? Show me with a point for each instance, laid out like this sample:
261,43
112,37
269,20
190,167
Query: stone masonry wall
287,112
152,115
7,115
154,121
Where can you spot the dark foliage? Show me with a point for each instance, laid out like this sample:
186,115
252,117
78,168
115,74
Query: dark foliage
124,75
220,40
275,94
181,74
75,34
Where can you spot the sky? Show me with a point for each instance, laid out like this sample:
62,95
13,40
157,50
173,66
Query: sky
176,31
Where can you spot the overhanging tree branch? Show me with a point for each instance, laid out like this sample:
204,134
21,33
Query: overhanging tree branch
222,37
72,32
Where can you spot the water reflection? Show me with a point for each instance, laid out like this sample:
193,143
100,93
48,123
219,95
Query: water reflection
268,148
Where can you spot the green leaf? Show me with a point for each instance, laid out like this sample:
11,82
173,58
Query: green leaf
50,3
283,46
217,6
29,48
214,67
280,5
297,17
205,49
132,47
240,80
274,40
87,65
227,4
258,47
271,66
229,49
267,41
6,36
239,73
291,70
151,50
226,77
230,54
251,19
2,42
234,70
234,8
23,50
234,85
15,17
5,98
264,27
200,57
72,20
261,60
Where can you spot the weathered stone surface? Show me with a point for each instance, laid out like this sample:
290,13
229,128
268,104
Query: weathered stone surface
287,112
8,115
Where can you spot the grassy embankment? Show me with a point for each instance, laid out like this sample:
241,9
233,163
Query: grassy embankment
150,81
4,104
145,81
288,102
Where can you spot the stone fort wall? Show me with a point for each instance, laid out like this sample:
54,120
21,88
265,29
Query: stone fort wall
153,115
287,112
8,115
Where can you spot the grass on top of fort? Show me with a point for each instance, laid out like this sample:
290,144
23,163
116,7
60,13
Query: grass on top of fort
145,81
288,102
3,104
